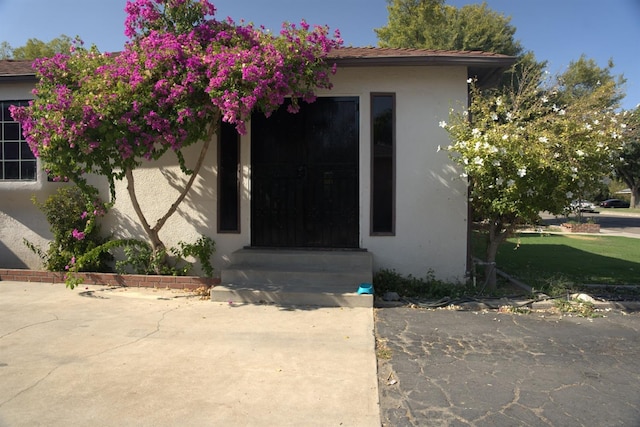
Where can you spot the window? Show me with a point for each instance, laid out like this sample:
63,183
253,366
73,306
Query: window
228,179
383,164
17,162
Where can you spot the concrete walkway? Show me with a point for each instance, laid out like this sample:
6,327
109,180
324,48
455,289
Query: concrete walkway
119,357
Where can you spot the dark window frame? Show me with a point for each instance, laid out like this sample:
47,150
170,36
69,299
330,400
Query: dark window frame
23,156
221,188
391,231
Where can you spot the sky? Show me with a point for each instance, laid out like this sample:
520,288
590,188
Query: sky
558,31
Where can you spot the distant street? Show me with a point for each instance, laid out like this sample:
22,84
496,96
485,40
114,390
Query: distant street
612,221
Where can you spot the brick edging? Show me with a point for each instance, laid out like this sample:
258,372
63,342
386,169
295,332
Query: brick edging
582,228
112,279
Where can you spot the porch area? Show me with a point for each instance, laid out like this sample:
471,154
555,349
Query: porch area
328,278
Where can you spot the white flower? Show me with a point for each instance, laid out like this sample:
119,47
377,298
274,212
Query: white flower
510,183
499,181
475,132
478,161
580,153
556,155
494,116
469,80
543,139
545,99
505,137
498,101
442,124
569,195
522,172
574,169
588,126
439,148
562,112
496,163
463,175
509,116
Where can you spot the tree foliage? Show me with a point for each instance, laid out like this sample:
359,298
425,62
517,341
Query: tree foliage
179,74
35,48
430,24
627,160
524,152
584,76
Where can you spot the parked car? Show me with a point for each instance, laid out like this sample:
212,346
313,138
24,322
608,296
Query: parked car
614,203
582,206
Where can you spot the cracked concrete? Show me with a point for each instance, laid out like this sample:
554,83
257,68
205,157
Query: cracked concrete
107,357
462,368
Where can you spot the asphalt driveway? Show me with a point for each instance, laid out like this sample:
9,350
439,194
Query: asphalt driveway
464,368
96,356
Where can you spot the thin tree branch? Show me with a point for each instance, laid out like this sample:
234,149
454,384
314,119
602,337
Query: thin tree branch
203,152
134,201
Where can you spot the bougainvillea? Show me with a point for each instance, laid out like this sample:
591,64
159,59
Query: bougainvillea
180,72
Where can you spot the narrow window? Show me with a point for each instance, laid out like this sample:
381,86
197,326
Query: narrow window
382,164
228,179
17,162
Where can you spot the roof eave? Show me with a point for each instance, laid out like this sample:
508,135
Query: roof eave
10,78
488,70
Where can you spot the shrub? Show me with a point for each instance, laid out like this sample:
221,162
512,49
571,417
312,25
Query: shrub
73,220
408,286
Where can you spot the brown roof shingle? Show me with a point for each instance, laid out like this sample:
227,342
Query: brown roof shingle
484,65
16,70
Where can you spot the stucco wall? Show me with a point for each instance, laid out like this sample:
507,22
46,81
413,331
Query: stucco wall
19,218
430,198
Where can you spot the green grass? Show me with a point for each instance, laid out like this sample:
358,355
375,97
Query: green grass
540,260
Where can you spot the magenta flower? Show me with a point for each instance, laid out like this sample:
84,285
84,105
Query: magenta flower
79,235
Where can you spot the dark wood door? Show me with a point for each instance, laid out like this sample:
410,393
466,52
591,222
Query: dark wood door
304,176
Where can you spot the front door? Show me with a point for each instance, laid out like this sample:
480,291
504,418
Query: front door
304,176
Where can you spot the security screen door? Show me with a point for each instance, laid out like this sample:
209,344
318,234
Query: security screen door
304,176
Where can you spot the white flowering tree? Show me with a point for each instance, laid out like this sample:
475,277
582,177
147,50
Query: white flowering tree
523,153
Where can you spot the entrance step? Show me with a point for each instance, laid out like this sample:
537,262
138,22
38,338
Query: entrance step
296,277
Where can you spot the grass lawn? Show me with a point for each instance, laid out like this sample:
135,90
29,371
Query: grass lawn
543,261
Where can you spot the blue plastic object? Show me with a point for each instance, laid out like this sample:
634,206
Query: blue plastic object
365,288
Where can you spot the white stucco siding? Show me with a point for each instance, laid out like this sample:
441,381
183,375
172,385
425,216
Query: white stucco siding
19,218
430,227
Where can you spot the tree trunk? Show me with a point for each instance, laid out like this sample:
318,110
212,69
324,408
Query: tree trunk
497,235
635,196
153,233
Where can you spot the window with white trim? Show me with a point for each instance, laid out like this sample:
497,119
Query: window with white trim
17,162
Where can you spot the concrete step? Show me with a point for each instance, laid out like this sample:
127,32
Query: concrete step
319,260
296,277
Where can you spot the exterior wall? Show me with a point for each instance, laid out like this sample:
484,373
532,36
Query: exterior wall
431,208
431,205
19,218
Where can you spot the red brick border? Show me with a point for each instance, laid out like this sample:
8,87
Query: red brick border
585,227
128,280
